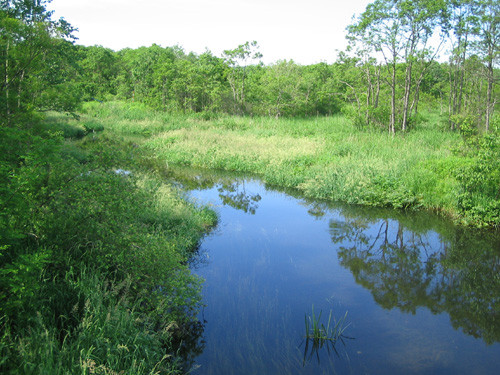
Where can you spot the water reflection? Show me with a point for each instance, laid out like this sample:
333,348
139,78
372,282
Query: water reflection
188,339
457,273
313,348
403,277
236,196
232,189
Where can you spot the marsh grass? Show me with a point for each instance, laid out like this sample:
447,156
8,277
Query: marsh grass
318,336
316,330
324,157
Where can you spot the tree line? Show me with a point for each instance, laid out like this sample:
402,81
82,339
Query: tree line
387,75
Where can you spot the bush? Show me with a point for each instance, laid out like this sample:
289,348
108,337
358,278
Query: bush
93,263
479,179
92,126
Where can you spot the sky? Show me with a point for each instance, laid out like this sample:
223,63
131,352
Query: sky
306,31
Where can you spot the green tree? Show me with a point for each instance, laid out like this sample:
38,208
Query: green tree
238,60
281,89
30,41
321,88
99,70
400,31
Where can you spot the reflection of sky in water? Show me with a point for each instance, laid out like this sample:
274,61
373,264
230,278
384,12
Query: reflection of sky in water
266,270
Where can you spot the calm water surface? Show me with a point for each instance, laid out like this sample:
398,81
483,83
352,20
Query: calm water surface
421,296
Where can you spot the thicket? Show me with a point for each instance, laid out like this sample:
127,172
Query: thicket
94,260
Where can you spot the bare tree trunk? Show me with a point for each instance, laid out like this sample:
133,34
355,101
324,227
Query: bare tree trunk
392,128
368,95
462,75
242,95
440,102
19,90
451,100
377,93
414,105
406,103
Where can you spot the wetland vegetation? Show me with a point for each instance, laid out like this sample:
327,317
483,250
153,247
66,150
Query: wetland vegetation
98,243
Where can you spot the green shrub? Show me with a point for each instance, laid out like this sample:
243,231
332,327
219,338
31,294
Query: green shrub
93,268
92,126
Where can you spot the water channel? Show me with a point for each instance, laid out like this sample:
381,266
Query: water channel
421,295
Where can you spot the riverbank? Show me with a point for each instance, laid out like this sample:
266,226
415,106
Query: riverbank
95,250
327,157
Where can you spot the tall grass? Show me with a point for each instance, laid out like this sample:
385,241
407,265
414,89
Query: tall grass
95,277
325,157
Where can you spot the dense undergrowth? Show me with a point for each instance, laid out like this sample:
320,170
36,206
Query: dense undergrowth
94,276
456,173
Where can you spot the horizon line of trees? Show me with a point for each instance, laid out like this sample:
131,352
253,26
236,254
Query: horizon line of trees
43,69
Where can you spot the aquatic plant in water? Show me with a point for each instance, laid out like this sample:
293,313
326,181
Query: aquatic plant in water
318,335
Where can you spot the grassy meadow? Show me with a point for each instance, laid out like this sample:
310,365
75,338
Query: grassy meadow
324,157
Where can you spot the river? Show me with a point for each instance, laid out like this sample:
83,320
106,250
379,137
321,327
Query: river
419,295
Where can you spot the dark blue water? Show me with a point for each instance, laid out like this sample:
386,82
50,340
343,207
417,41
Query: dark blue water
421,296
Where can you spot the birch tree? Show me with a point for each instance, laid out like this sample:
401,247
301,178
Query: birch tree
488,47
399,32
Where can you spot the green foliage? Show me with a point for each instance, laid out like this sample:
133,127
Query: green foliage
479,178
94,262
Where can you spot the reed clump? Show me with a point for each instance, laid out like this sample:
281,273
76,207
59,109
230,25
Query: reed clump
318,336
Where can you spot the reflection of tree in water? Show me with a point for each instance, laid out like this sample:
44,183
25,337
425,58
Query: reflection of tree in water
189,342
231,195
403,269
232,190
